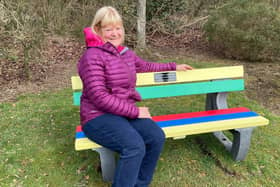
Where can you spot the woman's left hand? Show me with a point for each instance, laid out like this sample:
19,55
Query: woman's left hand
183,67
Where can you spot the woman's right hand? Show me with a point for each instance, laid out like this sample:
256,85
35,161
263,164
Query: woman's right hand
144,112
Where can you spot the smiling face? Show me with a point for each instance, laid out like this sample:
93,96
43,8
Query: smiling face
113,33
108,24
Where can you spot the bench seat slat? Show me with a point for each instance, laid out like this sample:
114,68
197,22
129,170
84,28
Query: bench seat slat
85,143
192,115
196,120
188,126
177,131
214,126
199,114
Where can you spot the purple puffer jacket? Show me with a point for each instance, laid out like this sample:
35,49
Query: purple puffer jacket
109,80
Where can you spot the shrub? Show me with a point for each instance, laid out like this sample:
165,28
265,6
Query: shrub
247,30
171,16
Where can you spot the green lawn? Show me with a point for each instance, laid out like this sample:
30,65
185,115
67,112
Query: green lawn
37,147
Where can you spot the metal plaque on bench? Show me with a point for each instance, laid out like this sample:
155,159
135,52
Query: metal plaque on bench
165,77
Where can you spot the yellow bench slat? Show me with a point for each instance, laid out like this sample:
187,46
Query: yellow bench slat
204,74
214,126
85,143
76,83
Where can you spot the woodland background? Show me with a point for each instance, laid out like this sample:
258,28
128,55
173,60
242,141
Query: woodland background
42,40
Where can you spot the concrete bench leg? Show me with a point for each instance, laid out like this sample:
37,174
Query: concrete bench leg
240,145
108,163
216,101
241,137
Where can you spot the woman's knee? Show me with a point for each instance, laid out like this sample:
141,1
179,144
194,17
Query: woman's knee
154,132
157,133
134,149
159,137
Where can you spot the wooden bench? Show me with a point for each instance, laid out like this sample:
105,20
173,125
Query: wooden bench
215,82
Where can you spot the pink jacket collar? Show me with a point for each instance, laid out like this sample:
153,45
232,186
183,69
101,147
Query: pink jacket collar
93,40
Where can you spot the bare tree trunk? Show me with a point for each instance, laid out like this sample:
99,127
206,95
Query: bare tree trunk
141,24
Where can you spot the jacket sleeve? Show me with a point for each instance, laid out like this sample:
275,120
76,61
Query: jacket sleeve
144,66
91,71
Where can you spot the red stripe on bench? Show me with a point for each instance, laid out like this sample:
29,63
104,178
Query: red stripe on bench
199,114
192,115
79,128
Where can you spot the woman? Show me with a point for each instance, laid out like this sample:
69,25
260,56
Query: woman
109,115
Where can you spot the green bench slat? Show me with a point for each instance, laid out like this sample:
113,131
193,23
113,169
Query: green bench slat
76,98
172,90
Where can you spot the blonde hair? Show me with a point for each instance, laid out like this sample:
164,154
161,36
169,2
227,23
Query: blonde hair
106,15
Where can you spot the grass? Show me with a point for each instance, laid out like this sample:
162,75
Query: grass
37,147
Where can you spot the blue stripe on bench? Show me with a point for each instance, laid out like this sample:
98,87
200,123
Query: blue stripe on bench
170,123
80,135
187,121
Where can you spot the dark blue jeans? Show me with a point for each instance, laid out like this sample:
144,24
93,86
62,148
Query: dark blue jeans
138,141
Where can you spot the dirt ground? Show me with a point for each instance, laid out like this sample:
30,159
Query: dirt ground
262,79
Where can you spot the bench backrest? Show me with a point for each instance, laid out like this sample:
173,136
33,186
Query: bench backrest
179,83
